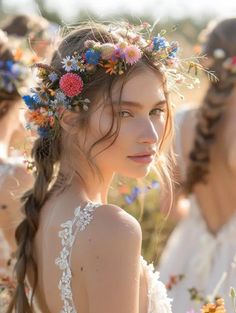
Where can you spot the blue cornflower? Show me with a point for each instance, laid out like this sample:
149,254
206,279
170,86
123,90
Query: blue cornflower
160,43
92,56
174,46
53,77
41,98
43,131
172,55
30,102
9,64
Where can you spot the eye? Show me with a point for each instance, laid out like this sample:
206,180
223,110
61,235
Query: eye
124,114
157,111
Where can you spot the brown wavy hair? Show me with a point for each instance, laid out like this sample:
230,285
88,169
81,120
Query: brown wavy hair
223,36
7,99
47,152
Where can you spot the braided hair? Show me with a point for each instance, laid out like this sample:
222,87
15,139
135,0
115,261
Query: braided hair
222,38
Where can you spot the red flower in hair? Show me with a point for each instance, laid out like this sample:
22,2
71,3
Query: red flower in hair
71,84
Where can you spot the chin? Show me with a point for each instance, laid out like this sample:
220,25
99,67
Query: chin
137,173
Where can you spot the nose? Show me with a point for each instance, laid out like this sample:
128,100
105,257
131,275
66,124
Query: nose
148,133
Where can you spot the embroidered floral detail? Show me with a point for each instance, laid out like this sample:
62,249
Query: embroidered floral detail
82,217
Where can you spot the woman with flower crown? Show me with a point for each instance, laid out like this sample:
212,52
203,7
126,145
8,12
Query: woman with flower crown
201,252
14,178
101,107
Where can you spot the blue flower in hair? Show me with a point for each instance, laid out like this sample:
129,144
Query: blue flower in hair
160,43
30,102
42,131
172,55
9,64
92,56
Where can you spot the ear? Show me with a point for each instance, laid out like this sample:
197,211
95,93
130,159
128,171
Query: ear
69,121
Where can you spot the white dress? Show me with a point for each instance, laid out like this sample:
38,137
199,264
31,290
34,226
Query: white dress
207,261
158,302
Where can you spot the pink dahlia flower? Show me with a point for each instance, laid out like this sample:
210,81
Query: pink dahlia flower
71,84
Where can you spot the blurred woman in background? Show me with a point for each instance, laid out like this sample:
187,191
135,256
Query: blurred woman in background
13,175
200,254
35,31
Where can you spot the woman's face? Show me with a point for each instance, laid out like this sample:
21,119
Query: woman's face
142,120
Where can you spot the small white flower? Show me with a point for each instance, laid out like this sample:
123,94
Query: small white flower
219,53
67,63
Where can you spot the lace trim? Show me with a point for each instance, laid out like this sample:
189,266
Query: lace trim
82,217
158,300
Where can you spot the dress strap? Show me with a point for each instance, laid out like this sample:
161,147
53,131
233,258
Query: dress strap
82,218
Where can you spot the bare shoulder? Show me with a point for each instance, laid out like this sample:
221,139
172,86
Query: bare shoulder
112,230
109,254
114,221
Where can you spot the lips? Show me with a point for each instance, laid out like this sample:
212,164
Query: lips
143,158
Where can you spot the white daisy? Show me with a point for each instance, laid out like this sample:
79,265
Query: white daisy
67,63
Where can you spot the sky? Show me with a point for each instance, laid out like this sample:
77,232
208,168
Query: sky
68,9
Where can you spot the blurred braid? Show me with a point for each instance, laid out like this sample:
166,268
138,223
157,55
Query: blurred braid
45,153
214,104
209,115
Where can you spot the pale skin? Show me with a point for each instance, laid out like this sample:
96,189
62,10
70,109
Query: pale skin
107,275
16,181
217,198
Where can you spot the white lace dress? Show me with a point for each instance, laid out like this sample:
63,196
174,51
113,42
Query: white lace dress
158,302
207,261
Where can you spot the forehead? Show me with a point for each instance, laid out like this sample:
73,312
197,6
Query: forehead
143,85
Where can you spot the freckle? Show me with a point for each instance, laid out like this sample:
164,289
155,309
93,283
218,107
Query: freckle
97,257
3,206
81,268
90,239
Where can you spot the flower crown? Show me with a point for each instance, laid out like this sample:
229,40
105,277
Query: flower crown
57,92
14,73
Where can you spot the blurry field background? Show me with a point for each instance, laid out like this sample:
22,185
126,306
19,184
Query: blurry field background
188,18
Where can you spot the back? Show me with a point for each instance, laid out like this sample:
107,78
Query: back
78,248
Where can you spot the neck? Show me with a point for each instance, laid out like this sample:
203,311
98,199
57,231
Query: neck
87,186
92,188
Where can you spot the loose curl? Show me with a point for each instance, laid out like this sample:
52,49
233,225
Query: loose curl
47,154
214,103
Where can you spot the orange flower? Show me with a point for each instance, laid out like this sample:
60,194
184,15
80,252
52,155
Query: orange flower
18,54
111,67
218,307
38,118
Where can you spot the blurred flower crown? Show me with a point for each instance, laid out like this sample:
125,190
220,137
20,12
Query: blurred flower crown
14,73
57,91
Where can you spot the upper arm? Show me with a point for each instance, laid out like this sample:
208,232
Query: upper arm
113,262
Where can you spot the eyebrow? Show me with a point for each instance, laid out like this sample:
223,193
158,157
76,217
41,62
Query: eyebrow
139,105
